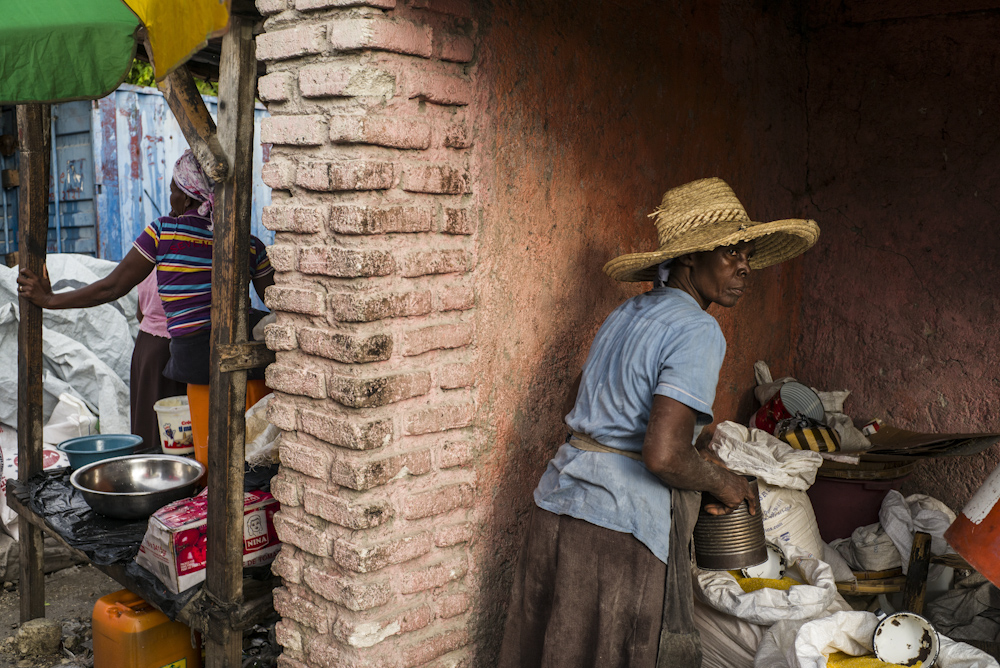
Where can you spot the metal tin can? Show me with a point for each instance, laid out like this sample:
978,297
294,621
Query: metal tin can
730,542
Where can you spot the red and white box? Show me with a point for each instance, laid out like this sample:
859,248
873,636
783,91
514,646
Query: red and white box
177,539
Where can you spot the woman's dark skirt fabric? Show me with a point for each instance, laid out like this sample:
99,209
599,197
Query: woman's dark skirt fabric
147,385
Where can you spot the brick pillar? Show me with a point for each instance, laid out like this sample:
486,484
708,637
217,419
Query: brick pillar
374,220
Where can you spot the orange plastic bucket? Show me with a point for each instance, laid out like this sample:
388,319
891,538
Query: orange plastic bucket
130,632
198,404
975,534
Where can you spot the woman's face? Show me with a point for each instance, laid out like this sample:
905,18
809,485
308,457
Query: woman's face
180,202
720,276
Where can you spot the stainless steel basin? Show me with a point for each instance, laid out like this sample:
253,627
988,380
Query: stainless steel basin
136,486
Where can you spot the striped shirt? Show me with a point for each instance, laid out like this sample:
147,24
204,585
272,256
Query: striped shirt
181,248
661,342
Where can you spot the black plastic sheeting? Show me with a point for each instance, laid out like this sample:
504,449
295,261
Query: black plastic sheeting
107,541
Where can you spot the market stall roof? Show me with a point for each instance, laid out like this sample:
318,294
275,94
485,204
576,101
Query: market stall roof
61,50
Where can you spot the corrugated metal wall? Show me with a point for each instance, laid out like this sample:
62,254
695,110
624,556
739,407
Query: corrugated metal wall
112,162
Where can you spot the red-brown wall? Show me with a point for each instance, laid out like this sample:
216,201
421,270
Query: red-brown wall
587,111
900,297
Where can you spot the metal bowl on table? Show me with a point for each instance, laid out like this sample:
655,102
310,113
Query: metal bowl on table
136,486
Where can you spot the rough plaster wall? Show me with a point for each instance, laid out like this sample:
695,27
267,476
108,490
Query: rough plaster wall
586,114
901,304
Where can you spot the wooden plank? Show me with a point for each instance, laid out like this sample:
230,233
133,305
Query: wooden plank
33,129
196,123
916,573
244,356
227,392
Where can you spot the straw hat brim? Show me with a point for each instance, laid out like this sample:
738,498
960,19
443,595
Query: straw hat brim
777,241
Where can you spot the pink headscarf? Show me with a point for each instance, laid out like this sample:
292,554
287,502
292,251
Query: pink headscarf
190,178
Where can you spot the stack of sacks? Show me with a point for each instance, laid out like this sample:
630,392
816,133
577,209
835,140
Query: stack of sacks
732,621
810,644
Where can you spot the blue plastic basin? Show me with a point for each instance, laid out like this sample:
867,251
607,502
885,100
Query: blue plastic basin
85,450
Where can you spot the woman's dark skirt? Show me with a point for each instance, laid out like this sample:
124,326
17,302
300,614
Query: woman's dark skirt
147,385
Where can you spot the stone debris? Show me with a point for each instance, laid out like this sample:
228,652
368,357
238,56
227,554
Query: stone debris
39,637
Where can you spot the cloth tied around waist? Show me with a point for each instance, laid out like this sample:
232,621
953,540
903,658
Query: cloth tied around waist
581,441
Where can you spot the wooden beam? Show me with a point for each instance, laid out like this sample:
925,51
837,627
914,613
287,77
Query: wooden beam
915,589
196,123
230,305
245,356
33,129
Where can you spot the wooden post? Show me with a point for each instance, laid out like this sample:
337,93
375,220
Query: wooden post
197,125
33,129
227,393
915,588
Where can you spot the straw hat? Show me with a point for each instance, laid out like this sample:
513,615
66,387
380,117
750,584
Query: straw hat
703,215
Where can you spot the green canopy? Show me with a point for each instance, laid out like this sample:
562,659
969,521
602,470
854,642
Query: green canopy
61,50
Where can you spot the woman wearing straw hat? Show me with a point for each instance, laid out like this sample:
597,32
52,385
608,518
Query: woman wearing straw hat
604,577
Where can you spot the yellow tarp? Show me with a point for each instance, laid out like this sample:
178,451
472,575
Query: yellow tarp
178,28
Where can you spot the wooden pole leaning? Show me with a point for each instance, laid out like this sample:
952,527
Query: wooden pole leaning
33,129
230,303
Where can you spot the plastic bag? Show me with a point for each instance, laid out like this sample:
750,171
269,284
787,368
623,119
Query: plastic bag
796,644
721,591
726,641
70,419
261,435
51,458
869,548
755,452
902,518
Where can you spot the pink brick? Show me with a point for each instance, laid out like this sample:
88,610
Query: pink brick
425,263
437,179
275,87
362,392
288,636
279,337
436,337
361,515
292,606
296,381
440,418
461,8
278,174
437,501
404,133
458,221
346,348
455,297
366,556
339,80
353,307
286,661
357,596
449,535
296,300
288,564
302,535
362,474
454,376
282,414
308,5
294,130
306,458
443,89
301,219
348,431
424,577
362,175
380,34
458,136
450,606
454,453
266,7
313,175
345,263
291,43
282,257
454,48
435,646
286,489
350,219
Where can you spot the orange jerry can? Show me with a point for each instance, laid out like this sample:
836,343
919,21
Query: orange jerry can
131,633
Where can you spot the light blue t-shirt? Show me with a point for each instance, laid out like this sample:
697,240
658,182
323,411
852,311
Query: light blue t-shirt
660,342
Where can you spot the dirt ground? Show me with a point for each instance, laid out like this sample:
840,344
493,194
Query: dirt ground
70,595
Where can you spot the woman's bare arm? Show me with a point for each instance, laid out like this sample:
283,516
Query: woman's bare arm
128,274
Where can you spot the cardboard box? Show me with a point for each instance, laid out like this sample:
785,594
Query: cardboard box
176,539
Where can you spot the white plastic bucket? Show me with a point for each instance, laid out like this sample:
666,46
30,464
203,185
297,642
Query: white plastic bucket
174,418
